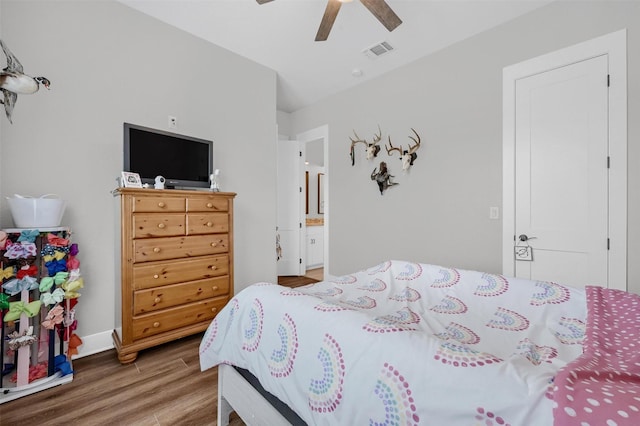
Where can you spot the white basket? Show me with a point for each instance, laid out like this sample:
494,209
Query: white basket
43,212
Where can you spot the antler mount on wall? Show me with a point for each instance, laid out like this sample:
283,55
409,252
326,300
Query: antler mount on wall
379,8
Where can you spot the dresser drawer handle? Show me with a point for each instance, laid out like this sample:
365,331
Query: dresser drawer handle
156,324
156,249
214,267
161,204
214,310
157,299
214,244
161,225
209,205
156,276
214,288
209,224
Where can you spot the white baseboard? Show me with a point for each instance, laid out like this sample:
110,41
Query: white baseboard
94,343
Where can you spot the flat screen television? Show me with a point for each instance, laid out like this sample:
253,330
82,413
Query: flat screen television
184,161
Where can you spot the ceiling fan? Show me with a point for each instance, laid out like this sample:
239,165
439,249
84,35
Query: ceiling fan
379,8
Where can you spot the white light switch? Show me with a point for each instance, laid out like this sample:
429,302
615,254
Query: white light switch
494,212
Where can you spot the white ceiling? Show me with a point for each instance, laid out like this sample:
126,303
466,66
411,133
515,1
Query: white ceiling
280,35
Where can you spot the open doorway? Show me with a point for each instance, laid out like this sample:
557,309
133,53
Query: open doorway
314,208
306,236
316,223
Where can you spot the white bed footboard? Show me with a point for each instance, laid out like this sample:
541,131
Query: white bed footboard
236,394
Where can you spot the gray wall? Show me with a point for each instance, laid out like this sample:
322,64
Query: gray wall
109,64
440,211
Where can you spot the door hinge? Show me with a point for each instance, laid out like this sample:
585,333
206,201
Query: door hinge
608,244
300,225
300,153
608,162
608,80
300,189
300,261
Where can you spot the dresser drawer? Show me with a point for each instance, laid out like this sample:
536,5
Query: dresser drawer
147,225
158,204
150,249
207,223
178,294
157,274
208,204
177,317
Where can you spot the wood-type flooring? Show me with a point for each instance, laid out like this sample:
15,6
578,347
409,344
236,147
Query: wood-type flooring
164,386
294,281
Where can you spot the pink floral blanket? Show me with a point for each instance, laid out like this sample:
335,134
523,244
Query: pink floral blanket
602,386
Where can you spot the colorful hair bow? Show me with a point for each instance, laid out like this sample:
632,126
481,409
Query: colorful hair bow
15,285
54,316
57,241
16,308
57,255
56,296
74,274
73,250
18,340
3,240
7,272
56,266
69,318
74,342
72,263
28,235
62,365
30,271
72,287
47,282
4,302
20,251
49,250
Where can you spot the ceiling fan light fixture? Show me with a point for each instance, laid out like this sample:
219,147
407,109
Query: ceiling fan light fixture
379,8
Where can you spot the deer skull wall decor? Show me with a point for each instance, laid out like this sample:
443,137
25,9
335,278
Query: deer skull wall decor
372,149
406,156
382,177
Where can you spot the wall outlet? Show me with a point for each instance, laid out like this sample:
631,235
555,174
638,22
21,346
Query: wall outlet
173,122
494,213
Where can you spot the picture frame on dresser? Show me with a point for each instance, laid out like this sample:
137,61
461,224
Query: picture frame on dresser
131,180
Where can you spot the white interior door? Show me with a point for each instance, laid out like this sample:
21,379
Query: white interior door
290,203
561,174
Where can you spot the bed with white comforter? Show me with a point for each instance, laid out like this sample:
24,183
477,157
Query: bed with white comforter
408,343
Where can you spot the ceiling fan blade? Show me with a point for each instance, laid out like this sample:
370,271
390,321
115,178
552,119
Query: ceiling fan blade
330,13
263,1
383,12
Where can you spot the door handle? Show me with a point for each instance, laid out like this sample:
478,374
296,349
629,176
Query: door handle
524,237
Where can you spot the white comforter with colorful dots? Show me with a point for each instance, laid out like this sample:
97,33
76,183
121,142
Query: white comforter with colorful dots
405,343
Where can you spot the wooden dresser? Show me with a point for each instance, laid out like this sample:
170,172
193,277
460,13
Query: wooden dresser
175,264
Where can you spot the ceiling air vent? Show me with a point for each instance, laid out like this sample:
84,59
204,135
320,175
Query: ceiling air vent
378,50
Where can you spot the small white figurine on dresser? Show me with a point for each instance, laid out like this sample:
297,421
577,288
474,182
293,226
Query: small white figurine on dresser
215,187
